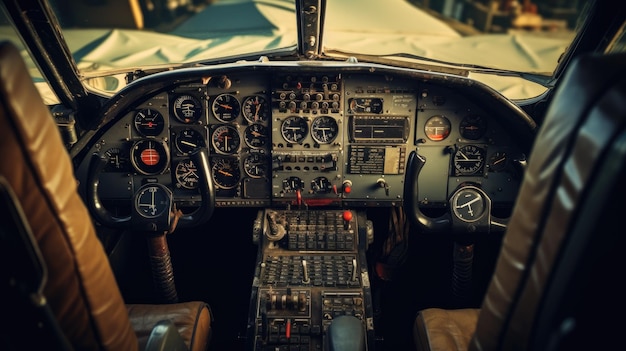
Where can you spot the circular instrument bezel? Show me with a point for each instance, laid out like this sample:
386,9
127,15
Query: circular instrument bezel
469,159
149,122
139,156
324,129
226,107
255,109
256,135
187,108
468,204
225,172
186,174
225,139
255,165
437,128
189,140
152,200
473,127
294,129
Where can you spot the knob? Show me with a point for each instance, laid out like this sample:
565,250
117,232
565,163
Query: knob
347,186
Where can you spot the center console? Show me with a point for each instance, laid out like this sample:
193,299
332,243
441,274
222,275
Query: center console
311,269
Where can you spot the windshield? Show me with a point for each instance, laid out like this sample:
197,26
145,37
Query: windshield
488,38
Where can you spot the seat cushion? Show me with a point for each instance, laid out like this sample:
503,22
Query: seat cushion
193,320
438,329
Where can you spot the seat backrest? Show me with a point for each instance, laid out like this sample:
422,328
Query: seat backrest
81,289
552,280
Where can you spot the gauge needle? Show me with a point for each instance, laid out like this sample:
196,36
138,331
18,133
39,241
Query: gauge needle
226,106
256,134
188,143
225,173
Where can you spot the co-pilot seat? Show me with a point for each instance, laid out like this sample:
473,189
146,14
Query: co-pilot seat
556,284
87,311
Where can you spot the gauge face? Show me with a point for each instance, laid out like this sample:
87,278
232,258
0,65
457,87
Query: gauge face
226,107
256,135
189,140
321,185
468,205
294,129
256,109
255,166
225,172
292,184
437,128
498,161
117,160
366,105
152,201
187,108
149,156
225,139
187,174
149,122
324,129
473,127
469,159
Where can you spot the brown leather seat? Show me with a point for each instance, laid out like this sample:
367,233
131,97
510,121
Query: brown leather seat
556,281
80,289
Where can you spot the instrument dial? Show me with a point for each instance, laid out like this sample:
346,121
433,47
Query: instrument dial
225,172
366,105
321,185
294,129
256,135
292,184
149,122
189,140
469,159
152,200
437,128
117,160
187,174
498,161
255,165
256,109
473,127
468,205
226,107
324,129
225,139
150,156
187,109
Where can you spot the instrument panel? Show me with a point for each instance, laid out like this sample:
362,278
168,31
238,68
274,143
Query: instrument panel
327,137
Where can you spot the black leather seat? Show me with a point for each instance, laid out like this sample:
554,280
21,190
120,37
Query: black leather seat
87,311
556,283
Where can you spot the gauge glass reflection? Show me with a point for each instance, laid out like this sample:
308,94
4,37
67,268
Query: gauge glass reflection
225,172
187,108
256,135
255,165
256,109
226,107
187,174
149,122
189,140
225,139
294,129
324,129
437,128
150,156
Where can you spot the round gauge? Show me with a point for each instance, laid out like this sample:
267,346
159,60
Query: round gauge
498,161
256,109
468,204
437,128
469,159
153,200
321,185
473,127
117,160
255,135
324,129
189,140
226,139
255,166
149,156
294,129
187,174
292,184
149,122
187,108
366,105
226,107
225,172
